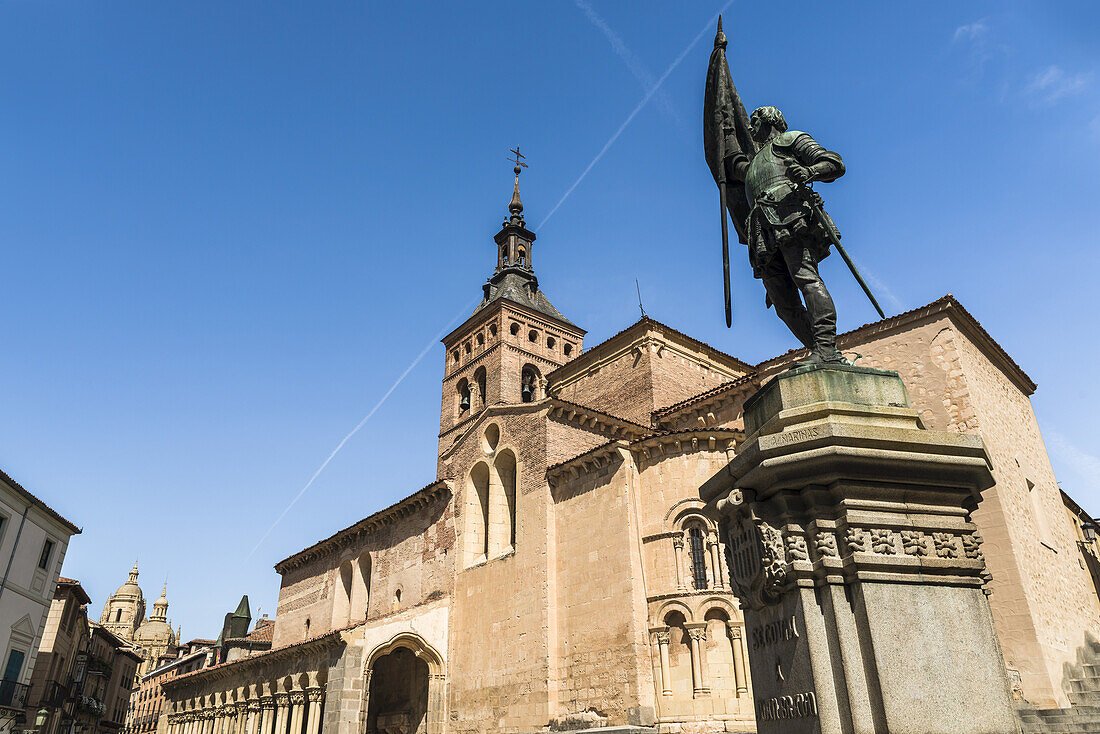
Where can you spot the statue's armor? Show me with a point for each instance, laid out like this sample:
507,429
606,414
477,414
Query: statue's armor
766,170
779,210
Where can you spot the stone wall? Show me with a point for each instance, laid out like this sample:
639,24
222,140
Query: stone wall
410,562
1042,600
499,664
603,663
641,369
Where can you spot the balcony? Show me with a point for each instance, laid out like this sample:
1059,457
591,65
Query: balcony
54,695
12,694
90,705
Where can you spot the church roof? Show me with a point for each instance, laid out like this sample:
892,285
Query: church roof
368,524
264,633
948,304
591,354
519,289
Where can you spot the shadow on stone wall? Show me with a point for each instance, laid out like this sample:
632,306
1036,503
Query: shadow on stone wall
1081,683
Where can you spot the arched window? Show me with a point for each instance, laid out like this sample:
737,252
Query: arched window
360,588
480,339
698,557
550,342
503,507
568,349
341,603
118,615
307,627
521,257
529,384
492,330
463,396
514,329
477,515
504,255
479,380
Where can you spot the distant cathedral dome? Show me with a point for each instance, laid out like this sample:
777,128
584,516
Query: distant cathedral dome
125,609
156,629
130,588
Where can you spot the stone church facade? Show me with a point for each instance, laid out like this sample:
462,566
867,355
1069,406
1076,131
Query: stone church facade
560,572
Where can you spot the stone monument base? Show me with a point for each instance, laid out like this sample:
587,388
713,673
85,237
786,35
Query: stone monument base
861,577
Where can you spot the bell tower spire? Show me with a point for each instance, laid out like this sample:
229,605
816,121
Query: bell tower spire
514,239
515,336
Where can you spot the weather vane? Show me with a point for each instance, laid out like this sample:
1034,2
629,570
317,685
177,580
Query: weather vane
518,160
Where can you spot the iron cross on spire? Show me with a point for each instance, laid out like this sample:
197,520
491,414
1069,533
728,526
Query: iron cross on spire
518,160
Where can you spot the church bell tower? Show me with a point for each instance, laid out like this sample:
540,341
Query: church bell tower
515,337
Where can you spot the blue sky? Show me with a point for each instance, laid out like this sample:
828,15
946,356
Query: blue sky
227,229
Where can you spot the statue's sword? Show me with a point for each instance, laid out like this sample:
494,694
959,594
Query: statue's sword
808,197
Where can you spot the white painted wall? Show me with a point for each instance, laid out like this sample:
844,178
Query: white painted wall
28,589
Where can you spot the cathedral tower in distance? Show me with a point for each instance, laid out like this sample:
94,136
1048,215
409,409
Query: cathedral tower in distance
501,354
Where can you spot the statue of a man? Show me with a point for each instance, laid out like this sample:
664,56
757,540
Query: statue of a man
786,237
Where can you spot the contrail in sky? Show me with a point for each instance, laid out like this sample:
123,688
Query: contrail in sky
367,417
637,66
645,100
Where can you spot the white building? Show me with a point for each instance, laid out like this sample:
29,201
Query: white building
33,540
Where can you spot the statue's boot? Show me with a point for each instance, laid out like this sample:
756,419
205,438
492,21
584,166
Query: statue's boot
822,316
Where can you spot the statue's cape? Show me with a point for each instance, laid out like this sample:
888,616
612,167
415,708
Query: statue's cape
724,115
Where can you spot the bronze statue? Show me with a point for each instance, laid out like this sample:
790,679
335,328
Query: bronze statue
764,172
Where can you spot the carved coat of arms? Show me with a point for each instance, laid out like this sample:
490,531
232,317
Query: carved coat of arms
755,554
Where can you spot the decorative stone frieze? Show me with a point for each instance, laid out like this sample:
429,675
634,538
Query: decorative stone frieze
836,456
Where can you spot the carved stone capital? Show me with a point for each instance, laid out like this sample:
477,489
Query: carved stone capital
282,699
315,694
297,697
678,541
663,637
698,631
267,702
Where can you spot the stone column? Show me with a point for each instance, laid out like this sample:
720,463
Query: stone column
282,712
297,706
856,562
662,637
267,715
242,717
678,559
697,631
255,714
313,720
733,630
230,724
715,567
437,697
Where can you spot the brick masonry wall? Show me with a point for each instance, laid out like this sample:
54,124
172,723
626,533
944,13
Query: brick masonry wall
498,656
651,372
413,554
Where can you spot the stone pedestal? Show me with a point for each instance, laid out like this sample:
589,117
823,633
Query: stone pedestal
850,545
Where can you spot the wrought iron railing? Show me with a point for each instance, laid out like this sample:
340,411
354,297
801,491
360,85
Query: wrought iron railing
13,694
